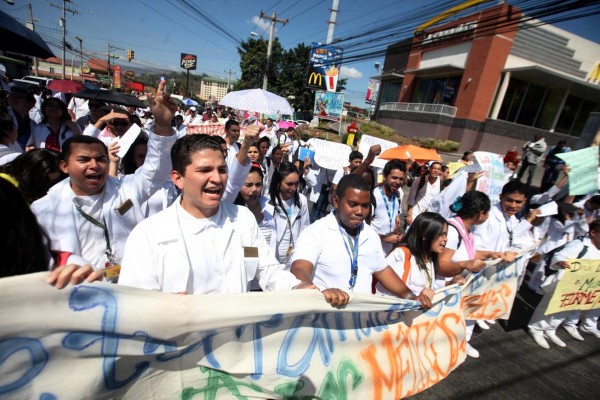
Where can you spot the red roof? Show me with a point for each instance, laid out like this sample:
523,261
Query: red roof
97,64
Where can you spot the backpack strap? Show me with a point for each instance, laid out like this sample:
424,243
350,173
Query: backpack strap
406,263
450,223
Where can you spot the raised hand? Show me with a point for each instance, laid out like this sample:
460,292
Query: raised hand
163,110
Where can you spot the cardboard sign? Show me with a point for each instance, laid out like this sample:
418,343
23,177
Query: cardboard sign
578,288
331,155
494,177
583,178
367,141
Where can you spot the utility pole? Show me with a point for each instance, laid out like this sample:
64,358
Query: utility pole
63,22
334,11
273,20
110,49
80,57
32,27
229,73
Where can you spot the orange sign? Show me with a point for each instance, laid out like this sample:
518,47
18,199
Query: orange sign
117,77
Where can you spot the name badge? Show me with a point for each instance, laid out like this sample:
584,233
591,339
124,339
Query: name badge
251,252
126,206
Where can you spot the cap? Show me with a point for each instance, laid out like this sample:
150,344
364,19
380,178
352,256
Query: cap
192,108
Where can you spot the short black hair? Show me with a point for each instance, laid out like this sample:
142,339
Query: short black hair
392,165
80,139
595,225
229,123
514,187
182,150
264,139
354,155
471,204
351,181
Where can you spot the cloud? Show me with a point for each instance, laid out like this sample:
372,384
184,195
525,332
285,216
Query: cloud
350,73
261,24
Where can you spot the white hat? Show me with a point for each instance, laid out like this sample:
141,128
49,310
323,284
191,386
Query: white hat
193,108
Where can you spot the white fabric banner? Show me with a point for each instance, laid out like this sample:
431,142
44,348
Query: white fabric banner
108,341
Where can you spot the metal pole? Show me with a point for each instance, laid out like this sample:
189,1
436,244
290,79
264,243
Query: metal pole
80,57
32,22
269,49
64,41
334,10
187,83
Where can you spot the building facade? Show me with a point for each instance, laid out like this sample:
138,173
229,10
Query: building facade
213,89
491,81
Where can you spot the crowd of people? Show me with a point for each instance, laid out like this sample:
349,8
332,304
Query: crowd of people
198,214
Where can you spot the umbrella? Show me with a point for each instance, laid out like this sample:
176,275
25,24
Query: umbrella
65,86
19,39
410,151
286,124
189,102
109,96
257,100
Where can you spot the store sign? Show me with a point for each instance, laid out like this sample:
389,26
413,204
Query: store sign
188,61
85,69
329,106
129,75
437,36
117,76
372,90
324,67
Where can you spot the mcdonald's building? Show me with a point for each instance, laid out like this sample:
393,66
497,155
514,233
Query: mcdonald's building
491,81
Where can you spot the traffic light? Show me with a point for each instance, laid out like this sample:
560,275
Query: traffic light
130,55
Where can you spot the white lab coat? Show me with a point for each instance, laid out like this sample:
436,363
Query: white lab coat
278,223
57,215
493,235
156,256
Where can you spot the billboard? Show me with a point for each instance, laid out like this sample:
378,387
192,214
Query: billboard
188,61
117,72
324,67
329,106
372,90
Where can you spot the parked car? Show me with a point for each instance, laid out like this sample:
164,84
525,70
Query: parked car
40,79
25,83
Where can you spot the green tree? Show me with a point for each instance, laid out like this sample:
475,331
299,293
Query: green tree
253,60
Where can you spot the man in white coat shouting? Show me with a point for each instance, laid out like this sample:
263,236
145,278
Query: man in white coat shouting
89,215
201,245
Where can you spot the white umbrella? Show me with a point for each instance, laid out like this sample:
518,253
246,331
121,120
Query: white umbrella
257,100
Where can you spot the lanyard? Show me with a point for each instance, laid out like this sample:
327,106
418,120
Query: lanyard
109,255
510,234
428,278
349,244
387,208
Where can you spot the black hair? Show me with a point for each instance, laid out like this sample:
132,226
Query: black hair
424,230
354,155
65,113
466,154
31,170
514,187
595,200
6,124
128,162
285,168
264,139
239,200
178,117
182,150
392,165
595,225
229,123
351,181
21,239
80,139
471,204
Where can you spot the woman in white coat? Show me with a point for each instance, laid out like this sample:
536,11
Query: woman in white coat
424,189
287,211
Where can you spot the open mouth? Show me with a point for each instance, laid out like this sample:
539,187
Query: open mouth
215,191
94,177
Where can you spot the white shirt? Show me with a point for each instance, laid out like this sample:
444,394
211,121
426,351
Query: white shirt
419,199
383,220
93,243
208,271
79,107
339,174
494,233
417,280
323,245
40,132
16,152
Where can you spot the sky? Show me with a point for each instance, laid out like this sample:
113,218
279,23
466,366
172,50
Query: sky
159,30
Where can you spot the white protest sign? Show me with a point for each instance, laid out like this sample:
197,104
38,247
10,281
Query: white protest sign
548,209
494,177
367,141
331,155
127,139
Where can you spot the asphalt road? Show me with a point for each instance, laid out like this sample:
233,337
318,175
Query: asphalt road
512,366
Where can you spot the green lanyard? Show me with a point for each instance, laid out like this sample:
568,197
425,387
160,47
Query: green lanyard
109,254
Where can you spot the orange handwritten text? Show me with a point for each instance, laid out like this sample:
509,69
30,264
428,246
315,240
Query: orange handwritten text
491,304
